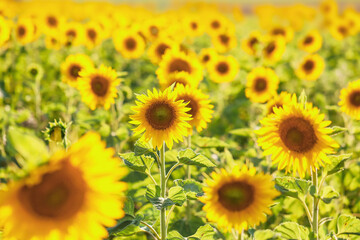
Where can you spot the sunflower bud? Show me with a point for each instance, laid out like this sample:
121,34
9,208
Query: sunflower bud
56,134
35,71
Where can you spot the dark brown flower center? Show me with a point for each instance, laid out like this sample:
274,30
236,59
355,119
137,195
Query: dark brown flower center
194,25
21,31
91,34
74,71
343,30
215,24
222,67
252,42
206,58
224,39
130,44
58,195
71,33
161,48
297,134
260,84
100,85
308,40
154,30
192,104
355,98
278,31
269,49
236,196
308,66
179,65
52,21
160,115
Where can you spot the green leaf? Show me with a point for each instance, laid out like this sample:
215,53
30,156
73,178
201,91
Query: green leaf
28,146
189,157
348,225
292,187
337,130
244,132
205,232
328,194
177,195
292,230
192,188
141,148
122,223
174,235
129,206
337,163
206,142
137,163
265,234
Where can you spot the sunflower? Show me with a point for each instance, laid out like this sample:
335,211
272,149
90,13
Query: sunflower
286,32
158,48
24,30
129,43
207,55
161,117
223,69
251,43
152,28
329,8
73,33
177,61
224,41
98,86
239,198
73,65
274,49
65,198
261,84
278,101
352,18
4,31
199,104
350,99
52,23
296,136
193,26
53,41
340,29
216,23
312,42
311,67
93,34
182,78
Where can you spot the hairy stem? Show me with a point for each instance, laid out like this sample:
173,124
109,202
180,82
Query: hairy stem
315,222
163,227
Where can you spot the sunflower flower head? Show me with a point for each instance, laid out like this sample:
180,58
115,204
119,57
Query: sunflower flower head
199,104
238,198
161,117
311,67
350,99
65,198
98,86
297,138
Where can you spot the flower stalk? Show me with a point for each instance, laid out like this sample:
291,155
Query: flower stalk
163,227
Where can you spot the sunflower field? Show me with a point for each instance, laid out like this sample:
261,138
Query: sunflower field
179,120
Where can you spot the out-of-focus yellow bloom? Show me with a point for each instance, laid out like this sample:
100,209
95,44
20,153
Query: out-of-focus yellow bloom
223,69
93,34
73,65
350,99
73,34
274,49
286,32
129,43
24,30
261,84
4,31
224,41
340,29
207,55
311,67
311,42
159,47
251,44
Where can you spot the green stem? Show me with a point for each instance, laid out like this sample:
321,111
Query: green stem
170,171
188,169
163,227
151,177
315,223
308,213
156,235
